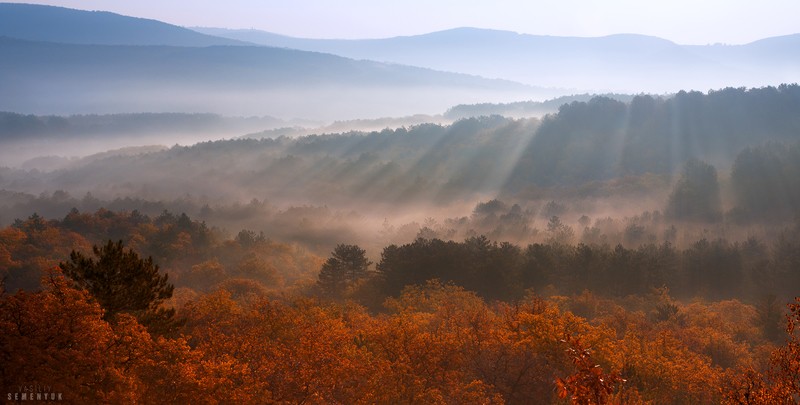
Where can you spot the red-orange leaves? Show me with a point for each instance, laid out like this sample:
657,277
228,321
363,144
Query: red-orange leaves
589,384
57,338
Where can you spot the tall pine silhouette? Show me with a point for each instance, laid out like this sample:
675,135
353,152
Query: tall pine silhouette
122,282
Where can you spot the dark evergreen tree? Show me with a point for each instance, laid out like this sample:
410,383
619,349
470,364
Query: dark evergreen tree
696,195
347,265
766,182
122,282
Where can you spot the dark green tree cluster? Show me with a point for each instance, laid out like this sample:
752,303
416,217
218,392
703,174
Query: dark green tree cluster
478,264
604,138
523,108
696,195
766,182
716,269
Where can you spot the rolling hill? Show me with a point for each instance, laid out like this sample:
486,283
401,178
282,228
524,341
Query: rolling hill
64,61
54,78
58,24
615,63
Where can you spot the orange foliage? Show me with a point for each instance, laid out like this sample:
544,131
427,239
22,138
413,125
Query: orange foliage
57,337
589,384
781,384
436,344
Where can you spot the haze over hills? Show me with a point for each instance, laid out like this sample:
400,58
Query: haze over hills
50,78
780,54
62,61
621,63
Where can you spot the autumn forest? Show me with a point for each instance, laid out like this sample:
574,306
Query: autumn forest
631,251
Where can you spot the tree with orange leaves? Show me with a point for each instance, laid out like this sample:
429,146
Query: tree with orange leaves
781,384
57,337
589,384
785,360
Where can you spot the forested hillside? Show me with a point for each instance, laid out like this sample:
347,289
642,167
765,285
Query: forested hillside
611,252
17,127
604,138
597,148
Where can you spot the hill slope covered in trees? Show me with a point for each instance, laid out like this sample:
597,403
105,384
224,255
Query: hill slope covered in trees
586,147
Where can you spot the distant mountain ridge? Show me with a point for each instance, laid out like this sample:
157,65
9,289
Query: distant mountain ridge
63,61
64,25
616,63
52,78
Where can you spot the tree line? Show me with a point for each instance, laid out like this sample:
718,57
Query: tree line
713,269
203,258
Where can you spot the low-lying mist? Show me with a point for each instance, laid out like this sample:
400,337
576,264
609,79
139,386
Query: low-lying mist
688,196
48,143
601,171
326,103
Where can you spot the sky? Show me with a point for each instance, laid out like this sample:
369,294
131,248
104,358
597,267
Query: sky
689,22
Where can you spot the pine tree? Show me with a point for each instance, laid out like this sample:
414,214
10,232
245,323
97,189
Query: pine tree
696,195
121,281
347,265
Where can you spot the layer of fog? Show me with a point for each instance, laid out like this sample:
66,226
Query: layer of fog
321,104
573,180
59,146
625,220
50,149
631,218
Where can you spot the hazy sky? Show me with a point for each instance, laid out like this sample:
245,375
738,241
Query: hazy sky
681,21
